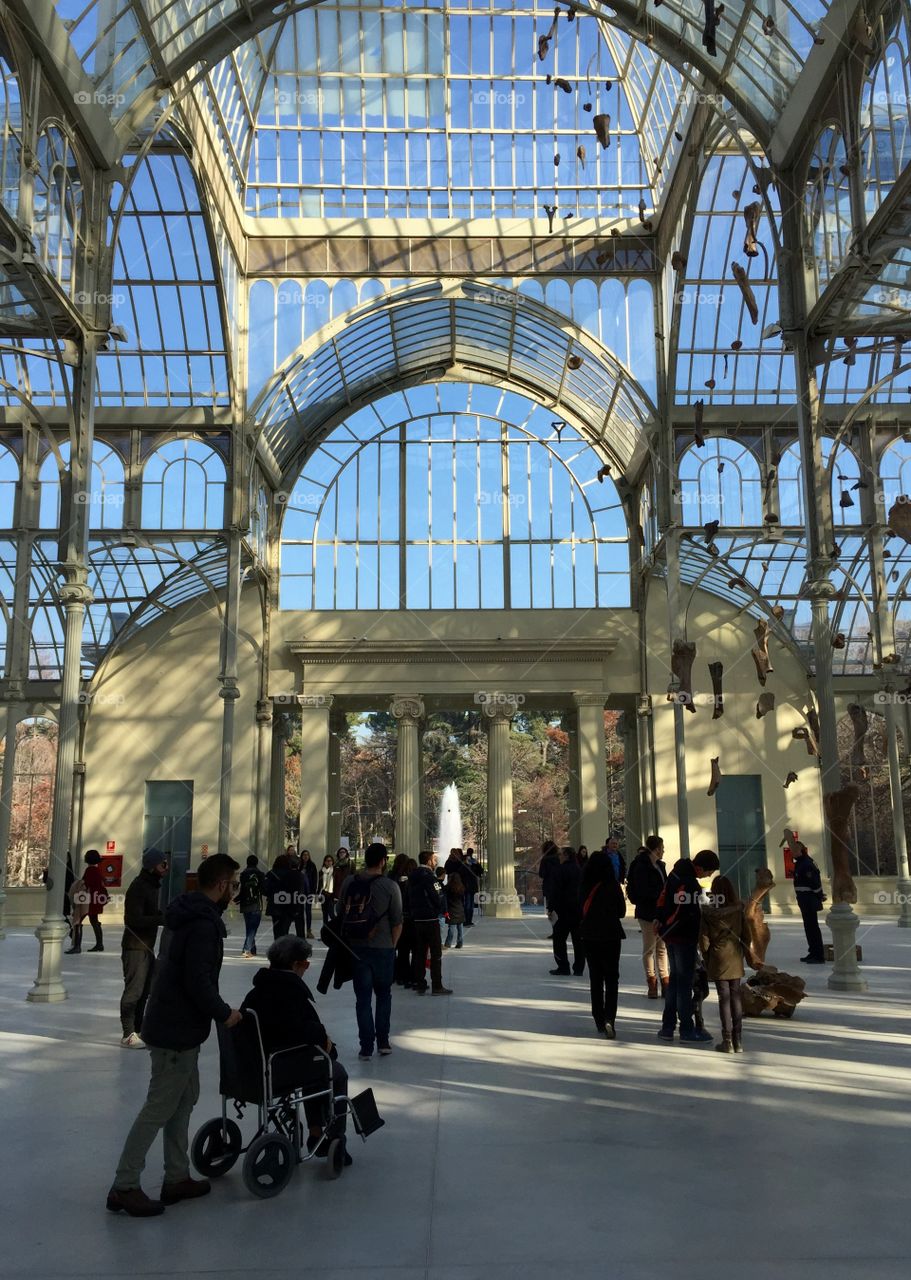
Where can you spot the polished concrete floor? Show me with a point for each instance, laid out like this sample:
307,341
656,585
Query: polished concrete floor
518,1145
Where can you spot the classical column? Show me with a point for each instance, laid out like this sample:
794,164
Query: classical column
574,803
500,888
645,756
408,713
281,731
314,804
75,596
12,714
337,728
229,692
261,832
629,730
898,810
592,770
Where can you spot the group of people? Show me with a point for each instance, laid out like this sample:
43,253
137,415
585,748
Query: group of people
690,937
288,892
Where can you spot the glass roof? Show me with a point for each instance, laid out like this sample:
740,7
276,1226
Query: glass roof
418,334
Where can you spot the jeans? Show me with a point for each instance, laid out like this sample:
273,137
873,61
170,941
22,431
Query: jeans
251,920
373,970
604,979
678,1000
807,904
654,952
328,905
469,908
138,968
730,1008
173,1093
458,931
427,934
564,927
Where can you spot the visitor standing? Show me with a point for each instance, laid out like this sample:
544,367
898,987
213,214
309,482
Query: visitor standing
327,888
344,867
472,887
679,922
547,870
283,886
406,946
89,896
182,1006
612,849
250,902
455,905
582,855
142,917
566,886
370,920
810,899
426,894
603,907
724,941
309,888
647,874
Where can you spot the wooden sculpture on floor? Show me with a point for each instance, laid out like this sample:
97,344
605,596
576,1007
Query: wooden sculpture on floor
755,917
768,990
837,807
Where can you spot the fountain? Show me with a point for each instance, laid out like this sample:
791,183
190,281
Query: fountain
449,827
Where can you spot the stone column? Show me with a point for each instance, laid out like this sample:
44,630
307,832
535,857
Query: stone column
503,902
592,770
574,804
314,804
261,833
646,762
337,727
408,713
633,833
280,734
898,810
229,691
48,989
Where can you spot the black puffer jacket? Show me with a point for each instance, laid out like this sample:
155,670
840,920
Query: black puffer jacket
680,917
142,913
564,893
284,1005
184,998
602,902
426,894
644,884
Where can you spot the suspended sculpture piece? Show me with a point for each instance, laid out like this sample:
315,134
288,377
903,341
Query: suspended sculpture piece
715,781
575,362
601,124
755,917
746,291
899,518
837,807
708,29
760,651
860,723
678,262
765,704
716,671
683,654
803,734
751,215
792,777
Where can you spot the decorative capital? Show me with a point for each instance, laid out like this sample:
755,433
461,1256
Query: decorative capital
263,711
314,701
72,594
590,700
643,704
229,690
500,707
407,709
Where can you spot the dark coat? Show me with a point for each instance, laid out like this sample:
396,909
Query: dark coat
309,877
142,913
808,881
550,865
283,889
564,895
644,884
460,868
455,898
341,873
681,915
287,1015
338,966
95,887
252,889
426,895
603,906
184,998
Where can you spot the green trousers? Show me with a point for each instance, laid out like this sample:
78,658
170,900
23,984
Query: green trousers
173,1093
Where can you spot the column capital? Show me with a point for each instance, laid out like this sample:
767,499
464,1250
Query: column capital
315,701
75,593
590,700
643,704
263,711
407,707
499,706
229,690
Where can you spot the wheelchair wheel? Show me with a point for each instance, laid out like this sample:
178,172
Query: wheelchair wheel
268,1165
216,1147
335,1159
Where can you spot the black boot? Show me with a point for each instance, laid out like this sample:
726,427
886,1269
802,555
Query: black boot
76,939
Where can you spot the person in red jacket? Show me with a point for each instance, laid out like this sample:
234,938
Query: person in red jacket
92,896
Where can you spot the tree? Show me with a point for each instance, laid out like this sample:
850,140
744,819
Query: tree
32,801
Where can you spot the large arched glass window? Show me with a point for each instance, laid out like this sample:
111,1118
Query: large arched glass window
58,205
454,497
9,478
885,117
10,134
32,801
845,478
183,487
828,205
895,471
105,494
720,482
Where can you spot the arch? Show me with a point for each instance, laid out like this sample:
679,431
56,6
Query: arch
720,482
453,331
32,800
844,471
106,490
9,479
828,205
183,486
885,115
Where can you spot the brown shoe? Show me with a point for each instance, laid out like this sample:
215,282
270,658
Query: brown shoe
652,988
135,1202
189,1189
665,983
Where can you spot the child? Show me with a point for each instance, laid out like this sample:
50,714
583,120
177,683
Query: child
455,908
725,943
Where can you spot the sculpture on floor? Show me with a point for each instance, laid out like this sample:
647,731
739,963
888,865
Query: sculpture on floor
755,917
837,807
768,990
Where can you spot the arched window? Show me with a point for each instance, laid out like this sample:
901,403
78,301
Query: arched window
10,134
885,117
845,476
828,205
105,494
32,801
720,482
484,502
58,205
895,471
9,478
259,520
183,487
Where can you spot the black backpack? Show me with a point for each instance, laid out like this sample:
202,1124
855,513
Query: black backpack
250,897
358,918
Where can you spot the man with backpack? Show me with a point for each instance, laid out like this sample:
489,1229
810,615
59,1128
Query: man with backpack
370,922
250,901
679,920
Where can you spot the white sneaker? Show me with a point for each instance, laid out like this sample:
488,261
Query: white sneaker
133,1041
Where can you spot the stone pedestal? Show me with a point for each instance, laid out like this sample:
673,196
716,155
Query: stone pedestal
49,988
502,901
846,974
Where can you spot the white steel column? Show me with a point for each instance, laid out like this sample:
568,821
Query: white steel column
502,899
592,770
408,712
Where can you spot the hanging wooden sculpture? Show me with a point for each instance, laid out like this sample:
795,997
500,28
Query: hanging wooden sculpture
751,215
837,807
899,518
746,291
760,651
860,723
683,655
716,671
715,781
792,777
601,125
765,704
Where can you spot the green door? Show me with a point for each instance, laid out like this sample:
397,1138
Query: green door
741,829
168,827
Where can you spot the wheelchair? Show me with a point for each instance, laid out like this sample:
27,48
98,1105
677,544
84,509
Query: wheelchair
278,1085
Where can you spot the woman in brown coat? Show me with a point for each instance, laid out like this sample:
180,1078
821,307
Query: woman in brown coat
724,941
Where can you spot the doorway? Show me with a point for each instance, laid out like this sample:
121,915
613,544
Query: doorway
741,829
168,826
